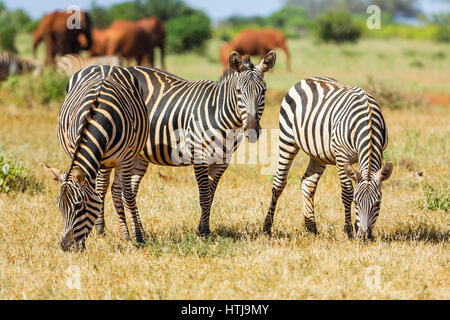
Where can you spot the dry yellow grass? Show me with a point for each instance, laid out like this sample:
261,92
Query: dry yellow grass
408,260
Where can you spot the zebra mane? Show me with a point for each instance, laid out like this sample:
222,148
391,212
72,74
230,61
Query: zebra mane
84,121
370,146
228,73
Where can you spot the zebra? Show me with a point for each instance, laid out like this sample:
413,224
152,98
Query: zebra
334,124
199,123
103,124
70,63
11,64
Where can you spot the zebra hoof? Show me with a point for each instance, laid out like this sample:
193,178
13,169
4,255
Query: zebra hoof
348,228
204,232
312,229
267,230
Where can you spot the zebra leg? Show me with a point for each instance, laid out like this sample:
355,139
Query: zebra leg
129,199
347,199
201,174
102,188
116,192
287,155
139,169
215,173
309,185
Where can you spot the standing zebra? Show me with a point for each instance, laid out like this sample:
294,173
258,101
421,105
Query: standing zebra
339,125
103,124
199,123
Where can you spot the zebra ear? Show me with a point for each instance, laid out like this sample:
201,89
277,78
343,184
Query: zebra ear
236,62
54,173
352,173
268,62
384,173
78,175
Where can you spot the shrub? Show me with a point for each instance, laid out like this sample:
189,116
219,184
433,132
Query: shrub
435,199
291,19
393,99
14,177
443,27
337,26
188,32
26,89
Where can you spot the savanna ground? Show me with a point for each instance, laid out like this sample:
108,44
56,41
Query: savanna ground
408,260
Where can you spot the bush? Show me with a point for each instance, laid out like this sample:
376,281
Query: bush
188,32
436,199
337,26
14,177
28,90
392,99
291,19
443,27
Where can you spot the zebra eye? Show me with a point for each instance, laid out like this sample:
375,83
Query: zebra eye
78,205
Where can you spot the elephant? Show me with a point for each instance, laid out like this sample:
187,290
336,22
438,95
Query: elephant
98,47
58,38
255,42
156,30
129,40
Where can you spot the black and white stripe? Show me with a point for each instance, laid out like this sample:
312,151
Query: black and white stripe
102,125
200,123
338,125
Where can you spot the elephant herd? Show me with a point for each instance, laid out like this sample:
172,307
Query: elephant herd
136,39
128,39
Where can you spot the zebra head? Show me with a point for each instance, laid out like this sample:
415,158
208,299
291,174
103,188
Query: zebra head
250,90
79,204
367,198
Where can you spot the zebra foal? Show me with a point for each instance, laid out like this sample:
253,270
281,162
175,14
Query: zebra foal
339,125
102,125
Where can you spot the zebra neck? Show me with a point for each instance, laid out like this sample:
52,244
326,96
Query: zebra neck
227,102
90,168
369,155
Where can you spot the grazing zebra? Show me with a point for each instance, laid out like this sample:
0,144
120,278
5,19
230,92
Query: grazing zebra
199,123
103,124
339,125
12,64
70,63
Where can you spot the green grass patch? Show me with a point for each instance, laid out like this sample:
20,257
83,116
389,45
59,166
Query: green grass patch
436,198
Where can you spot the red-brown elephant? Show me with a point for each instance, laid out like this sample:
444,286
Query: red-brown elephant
129,40
255,42
156,30
98,46
59,38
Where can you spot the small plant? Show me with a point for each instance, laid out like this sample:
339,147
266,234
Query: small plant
14,177
435,198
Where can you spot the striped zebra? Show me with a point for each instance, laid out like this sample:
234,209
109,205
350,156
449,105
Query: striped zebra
334,124
103,124
12,64
199,123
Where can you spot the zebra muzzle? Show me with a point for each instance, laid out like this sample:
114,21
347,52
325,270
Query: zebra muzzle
252,129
